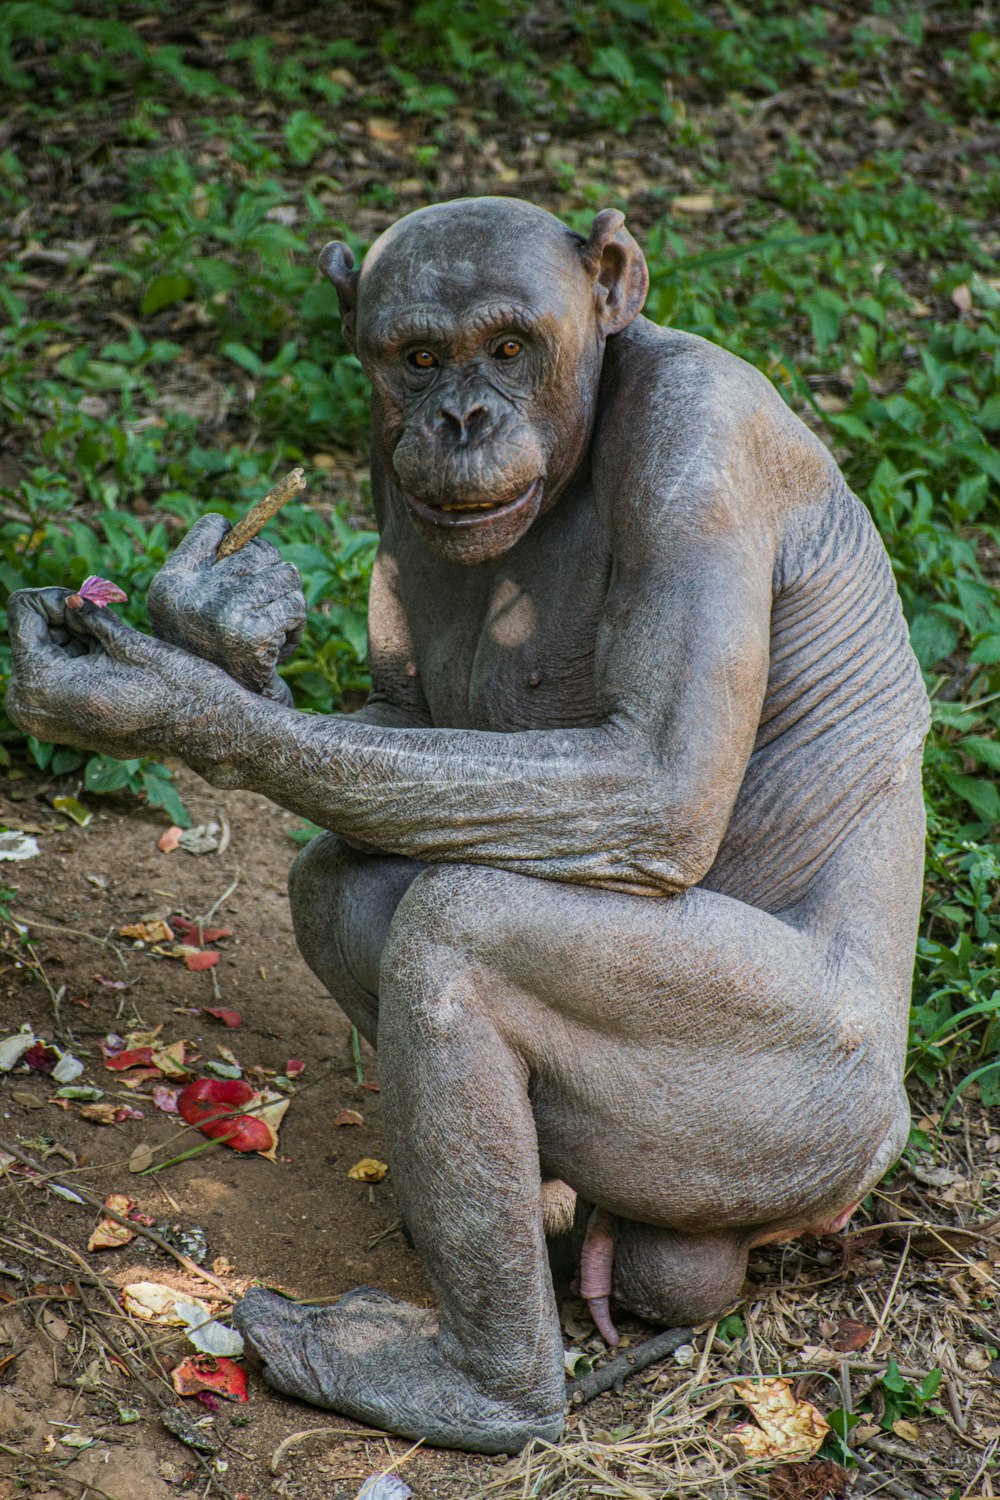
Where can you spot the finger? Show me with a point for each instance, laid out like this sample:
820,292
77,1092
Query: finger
257,555
278,623
281,581
120,641
31,614
201,543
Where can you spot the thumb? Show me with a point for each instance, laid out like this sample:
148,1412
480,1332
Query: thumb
121,642
202,541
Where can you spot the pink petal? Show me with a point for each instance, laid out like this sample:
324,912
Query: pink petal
101,591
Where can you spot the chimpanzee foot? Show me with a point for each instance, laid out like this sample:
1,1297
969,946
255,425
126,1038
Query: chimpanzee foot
378,1360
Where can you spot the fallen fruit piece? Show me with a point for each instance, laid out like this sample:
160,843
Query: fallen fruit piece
158,1304
198,960
109,1113
41,1058
147,932
108,1234
207,1335
17,845
230,1018
13,1048
168,841
131,1057
209,1105
165,1098
208,1372
368,1170
788,1428
384,1487
73,808
189,932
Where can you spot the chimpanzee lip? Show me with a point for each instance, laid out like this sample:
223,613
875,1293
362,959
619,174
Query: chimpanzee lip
468,513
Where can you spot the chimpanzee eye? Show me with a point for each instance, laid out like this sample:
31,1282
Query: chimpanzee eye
508,349
422,359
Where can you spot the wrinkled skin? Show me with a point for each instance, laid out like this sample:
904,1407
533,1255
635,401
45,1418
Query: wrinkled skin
624,854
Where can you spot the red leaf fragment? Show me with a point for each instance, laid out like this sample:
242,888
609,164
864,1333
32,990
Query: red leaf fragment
293,1067
210,1372
850,1336
187,931
198,960
101,591
132,1057
205,1104
41,1058
230,1018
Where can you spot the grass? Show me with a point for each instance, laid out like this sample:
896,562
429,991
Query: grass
165,346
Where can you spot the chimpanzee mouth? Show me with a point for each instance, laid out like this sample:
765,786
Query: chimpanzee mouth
453,513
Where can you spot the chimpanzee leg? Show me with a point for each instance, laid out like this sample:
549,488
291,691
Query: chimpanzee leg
693,1065
464,1158
343,902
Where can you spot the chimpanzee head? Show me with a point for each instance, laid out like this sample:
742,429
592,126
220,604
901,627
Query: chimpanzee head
481,325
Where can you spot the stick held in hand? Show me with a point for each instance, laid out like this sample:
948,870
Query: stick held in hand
259,514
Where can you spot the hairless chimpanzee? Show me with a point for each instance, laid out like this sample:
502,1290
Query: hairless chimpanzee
624,853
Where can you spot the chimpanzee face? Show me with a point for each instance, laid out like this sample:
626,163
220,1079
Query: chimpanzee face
481,325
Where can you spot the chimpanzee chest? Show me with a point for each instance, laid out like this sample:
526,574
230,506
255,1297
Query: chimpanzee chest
510,645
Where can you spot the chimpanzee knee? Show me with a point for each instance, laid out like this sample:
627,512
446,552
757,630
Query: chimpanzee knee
343,901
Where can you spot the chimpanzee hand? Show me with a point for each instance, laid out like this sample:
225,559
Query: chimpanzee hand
245,613
83,677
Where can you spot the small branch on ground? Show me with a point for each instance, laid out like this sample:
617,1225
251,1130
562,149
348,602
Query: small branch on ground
629,1363
95,1201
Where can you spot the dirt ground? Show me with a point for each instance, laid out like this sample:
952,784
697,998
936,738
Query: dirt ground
301,1223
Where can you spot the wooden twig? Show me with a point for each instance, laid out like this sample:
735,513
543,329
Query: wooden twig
259,514
94,1199
629,1363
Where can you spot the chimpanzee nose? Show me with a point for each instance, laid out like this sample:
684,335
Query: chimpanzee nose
464,423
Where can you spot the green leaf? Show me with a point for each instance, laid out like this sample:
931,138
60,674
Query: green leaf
164,290
982,796
987,652
932,639
986,751
160,792
244,357
105,775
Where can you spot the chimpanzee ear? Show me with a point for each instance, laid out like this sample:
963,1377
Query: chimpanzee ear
336,260
615,262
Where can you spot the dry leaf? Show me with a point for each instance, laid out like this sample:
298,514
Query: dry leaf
348,1117
147,932
695,203
141,1158
368,1170
849,1336
788,1428
107,1234
908,1431
158,1304
385,131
